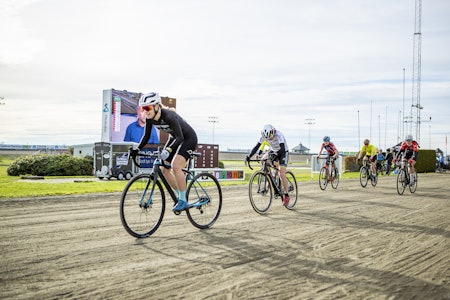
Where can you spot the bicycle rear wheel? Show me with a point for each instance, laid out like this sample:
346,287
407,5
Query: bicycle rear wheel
204,196
401,182
335,176
142,206
292,189
363,176
260,192
323,178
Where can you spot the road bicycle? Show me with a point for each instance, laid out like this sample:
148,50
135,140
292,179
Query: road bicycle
365,174
404,178
328,174
143,200
265,184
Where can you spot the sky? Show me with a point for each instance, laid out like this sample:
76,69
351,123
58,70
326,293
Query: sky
310,68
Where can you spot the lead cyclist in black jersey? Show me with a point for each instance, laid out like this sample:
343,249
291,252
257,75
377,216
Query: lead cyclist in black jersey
182,139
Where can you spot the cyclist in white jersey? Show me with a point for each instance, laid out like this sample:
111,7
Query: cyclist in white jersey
279,147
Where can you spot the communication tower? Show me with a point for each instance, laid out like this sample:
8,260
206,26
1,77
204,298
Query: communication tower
417,64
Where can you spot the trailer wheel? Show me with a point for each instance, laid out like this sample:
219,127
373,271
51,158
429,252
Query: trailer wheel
120,176
128,176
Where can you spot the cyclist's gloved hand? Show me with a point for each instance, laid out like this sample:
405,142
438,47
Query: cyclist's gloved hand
164,154
133,152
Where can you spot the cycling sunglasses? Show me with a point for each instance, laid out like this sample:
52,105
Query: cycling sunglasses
147,108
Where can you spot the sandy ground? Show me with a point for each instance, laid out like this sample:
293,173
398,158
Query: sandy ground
349,243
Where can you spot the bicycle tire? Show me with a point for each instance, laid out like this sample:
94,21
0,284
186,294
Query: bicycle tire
204,196
139,219
401,182
292,190
363,176
335,176
260,191
323,179
374,180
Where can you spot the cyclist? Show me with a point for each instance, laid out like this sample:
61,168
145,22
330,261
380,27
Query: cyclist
279,147
389,158
370,151
331,151
380,159
410,151
182,139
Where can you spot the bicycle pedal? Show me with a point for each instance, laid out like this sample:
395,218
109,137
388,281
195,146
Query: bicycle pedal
177,212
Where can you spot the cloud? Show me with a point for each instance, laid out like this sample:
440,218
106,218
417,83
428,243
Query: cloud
18,44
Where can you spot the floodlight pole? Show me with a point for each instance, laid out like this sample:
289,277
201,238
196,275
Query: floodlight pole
213,120
309,122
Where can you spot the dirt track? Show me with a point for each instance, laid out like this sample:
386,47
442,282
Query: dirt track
346,243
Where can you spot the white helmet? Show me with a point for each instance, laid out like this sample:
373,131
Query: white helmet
149,99
267,131
408,137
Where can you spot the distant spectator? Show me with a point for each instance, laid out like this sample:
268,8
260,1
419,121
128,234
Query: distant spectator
380,159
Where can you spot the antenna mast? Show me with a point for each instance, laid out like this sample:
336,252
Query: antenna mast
417,64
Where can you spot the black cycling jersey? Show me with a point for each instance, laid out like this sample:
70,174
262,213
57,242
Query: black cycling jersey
181,133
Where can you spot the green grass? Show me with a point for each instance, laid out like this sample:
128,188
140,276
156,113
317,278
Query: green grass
15,187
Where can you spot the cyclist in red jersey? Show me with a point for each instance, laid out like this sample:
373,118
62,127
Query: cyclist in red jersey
332,151
410,151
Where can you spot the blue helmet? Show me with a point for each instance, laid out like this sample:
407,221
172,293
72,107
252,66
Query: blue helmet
326,138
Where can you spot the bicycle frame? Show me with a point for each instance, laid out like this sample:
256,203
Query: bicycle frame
157,173
270,169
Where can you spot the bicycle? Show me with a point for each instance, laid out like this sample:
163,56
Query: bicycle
404,178
328,174
265,184
365,173
143,200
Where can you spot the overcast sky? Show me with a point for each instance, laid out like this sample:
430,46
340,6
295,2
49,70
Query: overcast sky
247,63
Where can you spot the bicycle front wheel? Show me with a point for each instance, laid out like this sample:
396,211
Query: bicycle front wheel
363,176
413,187
142,206
260,192
335,176
292,189
204,196
374,179
323,178
401,182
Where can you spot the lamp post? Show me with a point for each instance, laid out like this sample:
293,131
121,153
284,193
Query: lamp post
309,122
213,120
